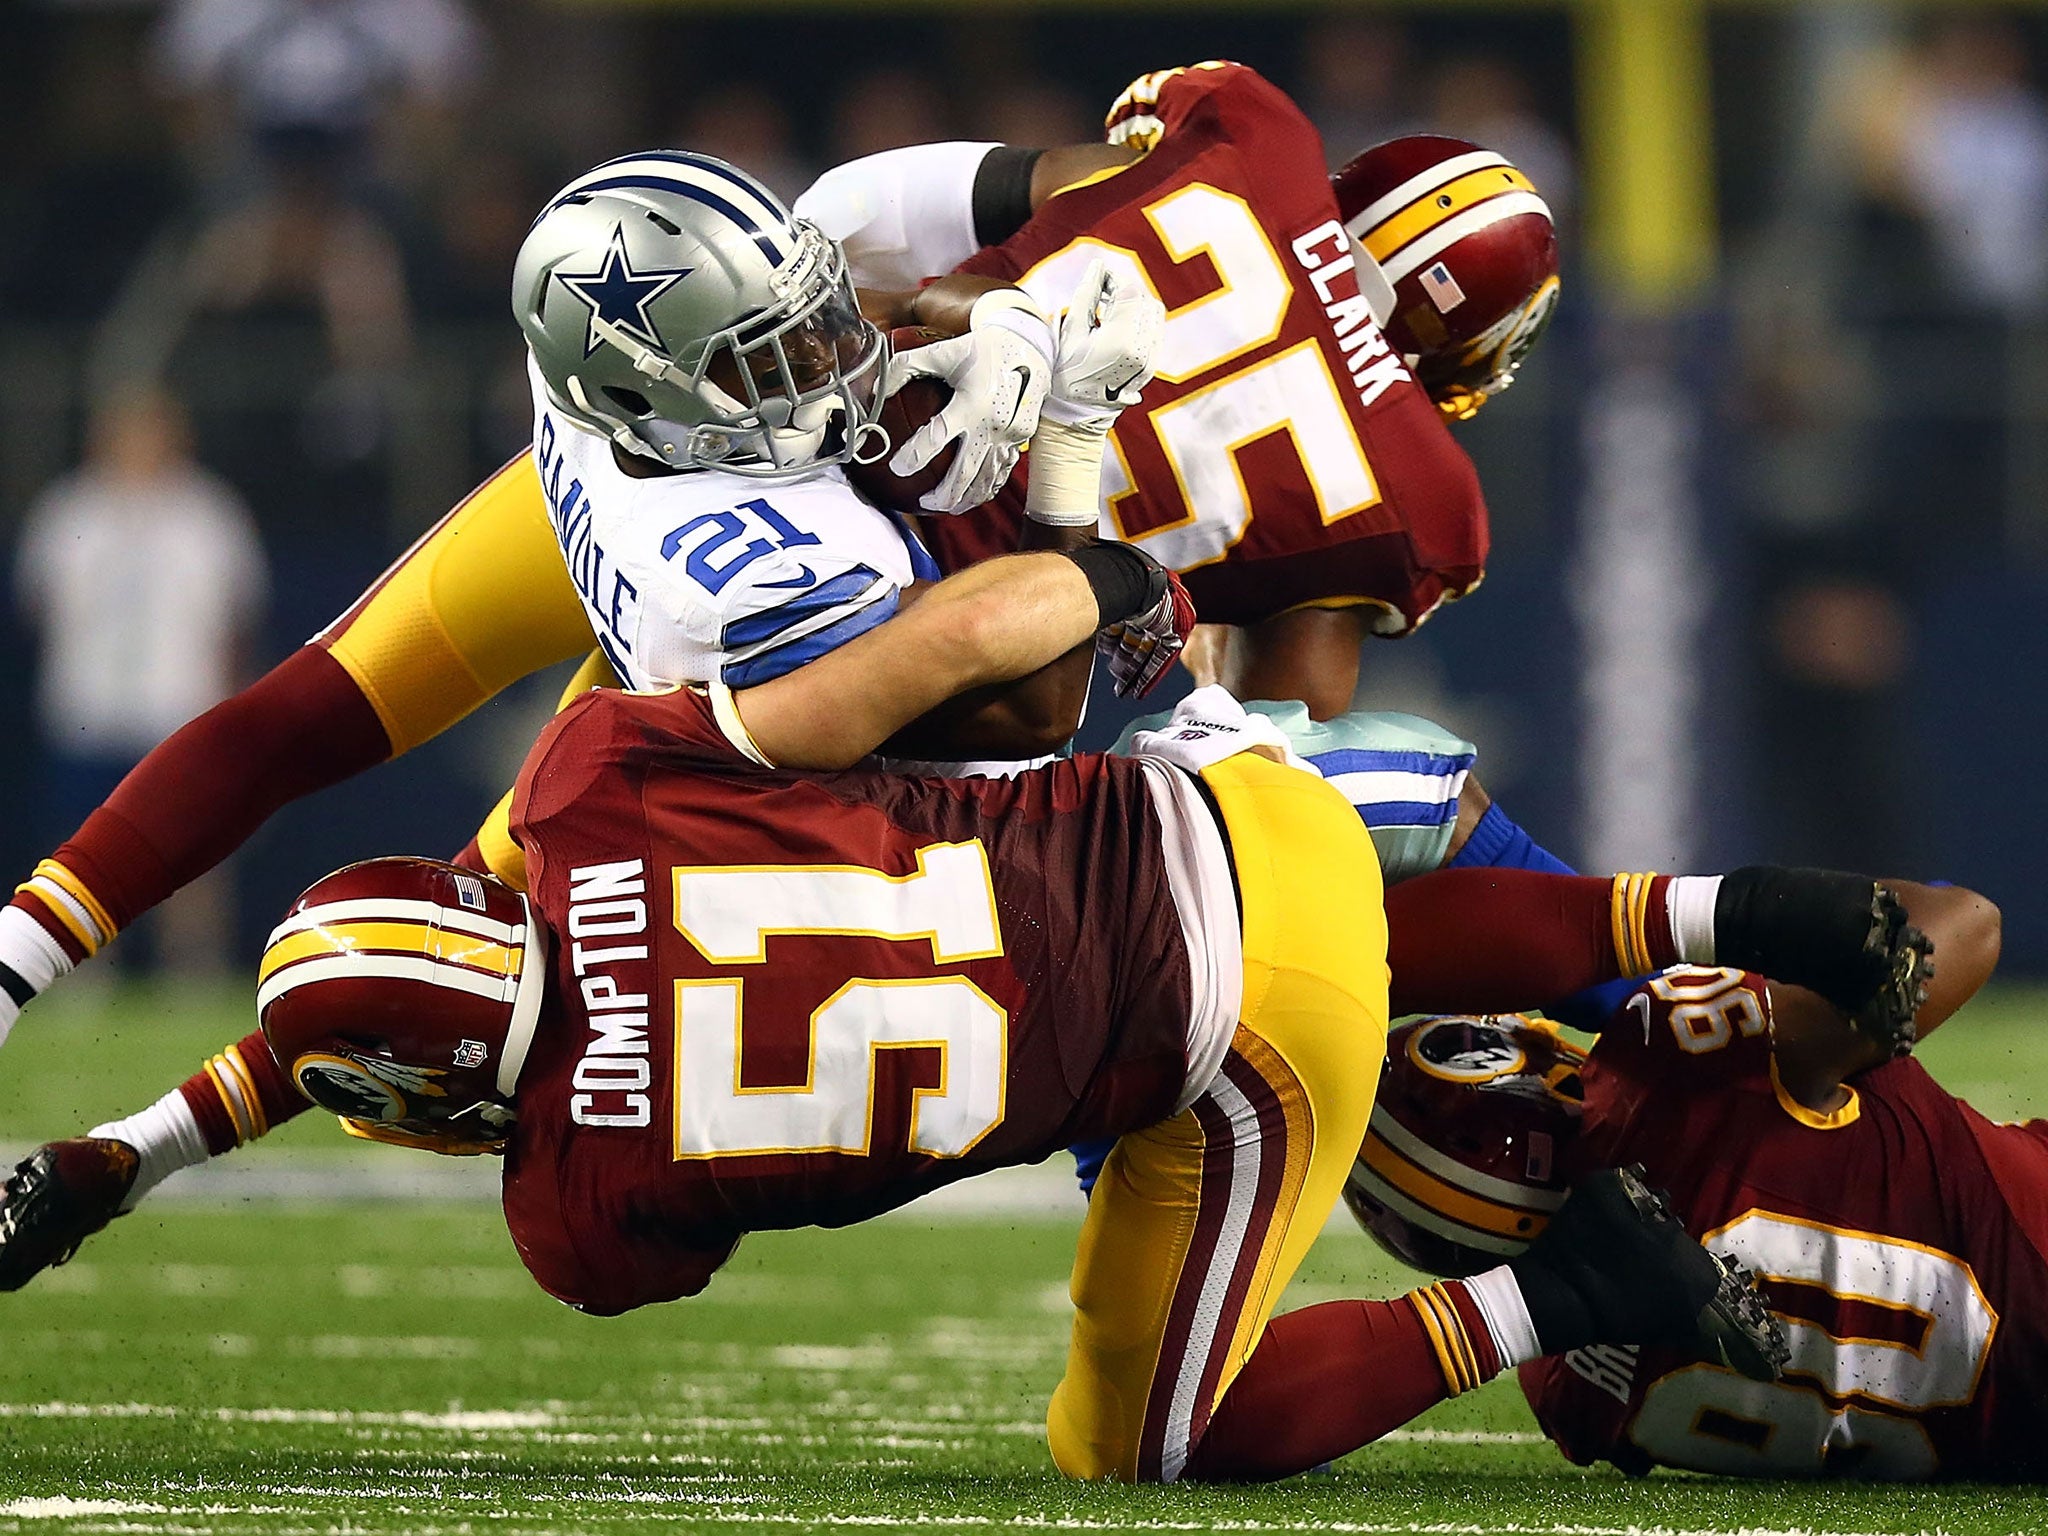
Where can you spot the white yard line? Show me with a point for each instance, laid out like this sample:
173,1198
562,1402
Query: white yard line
294,1176
710,1511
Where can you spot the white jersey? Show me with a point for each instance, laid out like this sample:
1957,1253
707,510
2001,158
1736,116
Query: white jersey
704,576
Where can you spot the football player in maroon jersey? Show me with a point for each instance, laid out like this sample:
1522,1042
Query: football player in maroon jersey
779,988
1901,1237
1291,458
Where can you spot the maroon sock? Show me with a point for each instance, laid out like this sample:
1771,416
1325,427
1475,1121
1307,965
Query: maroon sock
1331,1378
241,1094
1498,940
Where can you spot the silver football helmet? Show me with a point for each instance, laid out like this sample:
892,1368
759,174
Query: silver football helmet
674,305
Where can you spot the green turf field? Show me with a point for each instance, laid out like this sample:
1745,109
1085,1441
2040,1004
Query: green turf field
244,1362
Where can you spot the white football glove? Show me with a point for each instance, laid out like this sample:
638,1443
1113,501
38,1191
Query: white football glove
1107,339
999,373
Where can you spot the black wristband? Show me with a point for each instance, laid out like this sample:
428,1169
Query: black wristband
16,986
1002,192
1125,581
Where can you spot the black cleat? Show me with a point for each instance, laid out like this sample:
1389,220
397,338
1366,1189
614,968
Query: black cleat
1615,1266
57,1197
1844,936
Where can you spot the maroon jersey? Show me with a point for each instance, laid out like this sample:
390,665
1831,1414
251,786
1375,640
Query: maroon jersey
1284,455
1901,1239
783,999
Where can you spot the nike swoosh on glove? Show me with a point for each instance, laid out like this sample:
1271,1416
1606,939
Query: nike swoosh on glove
1103,359
1142,648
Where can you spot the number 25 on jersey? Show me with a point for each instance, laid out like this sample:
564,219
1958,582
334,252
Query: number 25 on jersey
1225,385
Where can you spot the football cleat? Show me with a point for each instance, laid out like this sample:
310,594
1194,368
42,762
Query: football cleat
57,1197
1616,1266
1844,936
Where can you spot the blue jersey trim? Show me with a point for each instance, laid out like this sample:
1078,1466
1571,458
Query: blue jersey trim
784,659
1408,813
922,566
841,589
1358,760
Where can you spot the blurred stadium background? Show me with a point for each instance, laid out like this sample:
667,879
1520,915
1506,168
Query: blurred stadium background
1770,503
1770,546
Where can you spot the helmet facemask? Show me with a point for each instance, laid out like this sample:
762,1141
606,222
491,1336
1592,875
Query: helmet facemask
378,1100
777,393
1460,383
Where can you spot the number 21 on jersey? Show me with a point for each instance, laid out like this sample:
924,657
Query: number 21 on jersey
729,913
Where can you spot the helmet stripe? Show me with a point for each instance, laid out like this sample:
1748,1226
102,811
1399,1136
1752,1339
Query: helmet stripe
721,194
1445,1198
399,909
1421,182
773,209
1484,1185
525,1013
1440,205
1381,1192
755,202
1428,246
357,967
363,937
696,194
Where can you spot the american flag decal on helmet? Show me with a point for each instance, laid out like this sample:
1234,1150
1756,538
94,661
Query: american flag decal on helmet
1442,288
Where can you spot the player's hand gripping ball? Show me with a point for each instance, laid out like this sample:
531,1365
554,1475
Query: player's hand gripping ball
904,413
987,387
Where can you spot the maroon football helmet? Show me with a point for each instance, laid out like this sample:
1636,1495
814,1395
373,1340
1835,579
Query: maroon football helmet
402,995
1461,1163
1466,259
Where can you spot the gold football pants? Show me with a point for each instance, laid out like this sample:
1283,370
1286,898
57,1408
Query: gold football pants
1198,1223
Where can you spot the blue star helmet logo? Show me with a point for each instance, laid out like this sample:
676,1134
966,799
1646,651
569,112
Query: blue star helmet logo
620,296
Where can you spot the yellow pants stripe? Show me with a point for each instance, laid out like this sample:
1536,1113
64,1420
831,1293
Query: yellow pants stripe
259,1121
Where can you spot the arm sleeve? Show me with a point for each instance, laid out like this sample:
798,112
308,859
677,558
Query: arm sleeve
1002,193
903,215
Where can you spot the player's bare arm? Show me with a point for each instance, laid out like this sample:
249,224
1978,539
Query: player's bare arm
993,623
1816,1046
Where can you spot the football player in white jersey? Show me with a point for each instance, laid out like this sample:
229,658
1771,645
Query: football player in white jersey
701,371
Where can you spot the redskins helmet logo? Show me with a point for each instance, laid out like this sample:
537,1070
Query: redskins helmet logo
1465,1051
363,1087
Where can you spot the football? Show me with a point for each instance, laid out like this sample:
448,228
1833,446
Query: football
902,414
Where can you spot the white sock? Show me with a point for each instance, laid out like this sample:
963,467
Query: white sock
166,1136
1689,902
26,949
1498,1295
